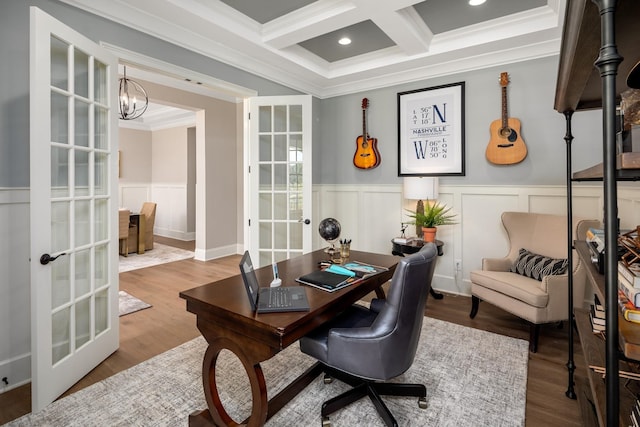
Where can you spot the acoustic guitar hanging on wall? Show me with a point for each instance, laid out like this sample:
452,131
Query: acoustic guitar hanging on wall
366,155
506,146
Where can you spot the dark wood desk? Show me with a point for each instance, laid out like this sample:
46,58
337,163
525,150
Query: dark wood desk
225,319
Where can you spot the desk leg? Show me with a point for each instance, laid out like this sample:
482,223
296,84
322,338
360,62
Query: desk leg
216,414
261,409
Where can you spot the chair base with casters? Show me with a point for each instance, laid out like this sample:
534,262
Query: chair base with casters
373,389
367,347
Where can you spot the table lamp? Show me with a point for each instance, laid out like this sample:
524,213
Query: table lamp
420,188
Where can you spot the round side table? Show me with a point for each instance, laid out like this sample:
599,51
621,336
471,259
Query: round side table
399,249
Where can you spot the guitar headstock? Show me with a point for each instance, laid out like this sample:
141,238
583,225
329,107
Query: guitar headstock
365,103
504,79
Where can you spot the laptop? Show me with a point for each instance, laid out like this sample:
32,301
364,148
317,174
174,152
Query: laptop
271,300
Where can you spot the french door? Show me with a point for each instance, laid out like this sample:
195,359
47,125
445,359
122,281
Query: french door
73,144
280,178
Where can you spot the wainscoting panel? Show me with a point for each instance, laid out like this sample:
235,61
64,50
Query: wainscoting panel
132,196
171,212
372,215
380,210
347,200
362,212
481,232
628,208
15,302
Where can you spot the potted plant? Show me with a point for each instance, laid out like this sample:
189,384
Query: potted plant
433,216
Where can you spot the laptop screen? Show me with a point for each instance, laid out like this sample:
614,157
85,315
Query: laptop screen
249,278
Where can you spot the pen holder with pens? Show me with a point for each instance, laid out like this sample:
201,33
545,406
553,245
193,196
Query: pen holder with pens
345,249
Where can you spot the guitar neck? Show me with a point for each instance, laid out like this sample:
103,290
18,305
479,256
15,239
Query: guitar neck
505,115
364,123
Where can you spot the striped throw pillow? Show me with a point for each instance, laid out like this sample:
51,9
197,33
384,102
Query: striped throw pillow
537,266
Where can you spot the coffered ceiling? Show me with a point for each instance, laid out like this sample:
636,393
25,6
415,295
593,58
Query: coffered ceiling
295,42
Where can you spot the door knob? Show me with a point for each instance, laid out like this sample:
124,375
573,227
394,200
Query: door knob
46,258
306,221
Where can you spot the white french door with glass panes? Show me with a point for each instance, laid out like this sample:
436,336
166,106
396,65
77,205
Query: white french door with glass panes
73,144
280,178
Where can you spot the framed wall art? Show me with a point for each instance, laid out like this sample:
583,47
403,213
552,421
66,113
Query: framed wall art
431,131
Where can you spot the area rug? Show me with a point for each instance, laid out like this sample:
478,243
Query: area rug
160,254
473,378
128,304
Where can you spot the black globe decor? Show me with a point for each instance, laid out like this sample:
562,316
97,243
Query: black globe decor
329,230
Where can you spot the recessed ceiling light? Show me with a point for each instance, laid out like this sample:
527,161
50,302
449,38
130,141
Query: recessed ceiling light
476,2
344,41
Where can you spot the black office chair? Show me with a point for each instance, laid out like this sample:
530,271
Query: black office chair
364,347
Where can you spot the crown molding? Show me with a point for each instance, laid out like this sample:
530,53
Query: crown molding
217,31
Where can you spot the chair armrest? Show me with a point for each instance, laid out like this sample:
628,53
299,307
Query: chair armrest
556,286
550,284
496,264
554,283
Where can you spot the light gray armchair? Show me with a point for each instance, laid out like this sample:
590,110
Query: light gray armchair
365,347
533,285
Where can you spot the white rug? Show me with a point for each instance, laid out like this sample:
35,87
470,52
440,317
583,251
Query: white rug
473,378
128,304
160,254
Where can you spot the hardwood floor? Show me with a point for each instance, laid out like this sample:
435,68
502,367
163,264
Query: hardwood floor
167,324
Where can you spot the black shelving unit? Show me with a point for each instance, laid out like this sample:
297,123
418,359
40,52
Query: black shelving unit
597,35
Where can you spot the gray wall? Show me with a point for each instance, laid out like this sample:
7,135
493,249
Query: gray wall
530,98
14,69
531,95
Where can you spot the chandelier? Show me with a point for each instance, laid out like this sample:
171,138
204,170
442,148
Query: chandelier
133,98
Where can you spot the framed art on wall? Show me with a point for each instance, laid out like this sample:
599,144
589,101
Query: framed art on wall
431,131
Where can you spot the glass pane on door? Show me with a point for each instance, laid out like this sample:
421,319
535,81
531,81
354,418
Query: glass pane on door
83,322
81,73
60,337
59,118
60,226
59,64
101,311
60,283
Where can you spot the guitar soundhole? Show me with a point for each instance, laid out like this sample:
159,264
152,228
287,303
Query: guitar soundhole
509,133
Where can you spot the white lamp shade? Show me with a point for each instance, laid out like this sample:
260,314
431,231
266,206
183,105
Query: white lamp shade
420,188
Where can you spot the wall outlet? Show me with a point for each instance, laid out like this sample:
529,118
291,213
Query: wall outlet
458,265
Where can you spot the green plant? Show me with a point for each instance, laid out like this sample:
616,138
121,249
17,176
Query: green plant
434,215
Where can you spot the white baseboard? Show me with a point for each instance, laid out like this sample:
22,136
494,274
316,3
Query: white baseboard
175,234
16,370
215,253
